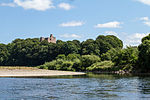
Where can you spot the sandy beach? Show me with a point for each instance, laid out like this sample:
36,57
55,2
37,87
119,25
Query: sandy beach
33,72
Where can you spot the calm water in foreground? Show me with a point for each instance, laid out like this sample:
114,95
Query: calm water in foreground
90,87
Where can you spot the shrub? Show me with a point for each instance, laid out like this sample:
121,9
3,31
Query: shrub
48,65
101,66
88,60
66,65
42,67
77,64
61,56
73,56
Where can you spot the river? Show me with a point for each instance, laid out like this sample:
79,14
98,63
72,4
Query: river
89,87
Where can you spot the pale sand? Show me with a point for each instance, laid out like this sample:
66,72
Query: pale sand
34,72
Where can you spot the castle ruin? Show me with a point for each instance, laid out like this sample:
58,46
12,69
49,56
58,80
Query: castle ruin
50,39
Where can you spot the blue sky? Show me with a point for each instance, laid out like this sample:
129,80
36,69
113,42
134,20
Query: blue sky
74,19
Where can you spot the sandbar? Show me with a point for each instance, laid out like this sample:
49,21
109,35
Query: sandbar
33,72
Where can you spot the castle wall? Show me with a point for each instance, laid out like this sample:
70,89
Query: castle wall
50,39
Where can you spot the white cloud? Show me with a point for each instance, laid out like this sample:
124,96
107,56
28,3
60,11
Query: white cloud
114,24
147,2
134,39
65,6
111,33
40,5
8,4
70,36
147,23
72,24
145,20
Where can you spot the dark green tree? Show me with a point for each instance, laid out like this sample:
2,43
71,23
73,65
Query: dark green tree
69,48
108,42
144,54
90,47
126,58
4,54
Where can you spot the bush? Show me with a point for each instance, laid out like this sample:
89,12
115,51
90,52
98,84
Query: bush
61,56
77,65
101,66
73,57
66,65
60,64
88,60
42,67
48,65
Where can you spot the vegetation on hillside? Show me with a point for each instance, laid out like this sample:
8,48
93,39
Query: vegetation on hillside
106,53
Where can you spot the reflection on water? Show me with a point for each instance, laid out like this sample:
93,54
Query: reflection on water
90,87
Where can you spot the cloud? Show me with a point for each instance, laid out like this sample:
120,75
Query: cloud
70,36
147,23
72,24
65,6
40,5
8,4
114,24
147,2
145,20
111,33
135,39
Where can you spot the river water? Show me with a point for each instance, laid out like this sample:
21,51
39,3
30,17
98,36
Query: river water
89,87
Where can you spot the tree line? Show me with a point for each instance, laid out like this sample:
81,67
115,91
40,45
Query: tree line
32,52
102,54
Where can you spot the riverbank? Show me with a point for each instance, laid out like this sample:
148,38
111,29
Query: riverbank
33,72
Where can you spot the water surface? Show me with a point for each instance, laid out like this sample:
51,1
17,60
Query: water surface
90,87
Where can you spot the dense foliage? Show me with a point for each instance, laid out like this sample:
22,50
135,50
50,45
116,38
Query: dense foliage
103,54
32,52
72,62
126,59
101,66
144,54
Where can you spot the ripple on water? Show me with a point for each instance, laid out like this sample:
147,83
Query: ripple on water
95,87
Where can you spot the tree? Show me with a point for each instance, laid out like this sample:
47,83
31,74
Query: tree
126,56
146,38
4,54
108,42
69,48
110,54
90,47
144,55
24,52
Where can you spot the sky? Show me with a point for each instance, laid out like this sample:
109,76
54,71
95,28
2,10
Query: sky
129,20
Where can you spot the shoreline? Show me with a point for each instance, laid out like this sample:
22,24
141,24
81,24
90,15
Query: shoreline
34,72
